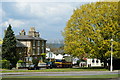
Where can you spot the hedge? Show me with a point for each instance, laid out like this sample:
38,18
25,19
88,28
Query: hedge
4,64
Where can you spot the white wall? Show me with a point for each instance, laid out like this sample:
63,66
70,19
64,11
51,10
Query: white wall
27,43
50,55
59,56
47,49
93,64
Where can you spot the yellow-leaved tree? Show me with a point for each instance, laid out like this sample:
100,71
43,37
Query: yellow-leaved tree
89,31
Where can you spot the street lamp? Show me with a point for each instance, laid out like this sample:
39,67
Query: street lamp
111,66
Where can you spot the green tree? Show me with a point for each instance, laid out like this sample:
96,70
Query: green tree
89,31
9,47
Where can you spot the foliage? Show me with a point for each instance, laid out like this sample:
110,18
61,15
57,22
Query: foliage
89,31
9,47
46,61
20,61
43,54
0,41
35,61
4,64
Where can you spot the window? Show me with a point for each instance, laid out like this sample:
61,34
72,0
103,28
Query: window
34,43
38,43
49,54
38,50
33,47
33,51
93,61
96,61
42,49
28,58
42,43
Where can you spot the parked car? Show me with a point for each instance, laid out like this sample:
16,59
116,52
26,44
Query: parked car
40,65
49,65
82,64
62,64
31,67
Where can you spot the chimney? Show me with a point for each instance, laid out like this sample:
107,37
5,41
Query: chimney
33,33
37,34
22,32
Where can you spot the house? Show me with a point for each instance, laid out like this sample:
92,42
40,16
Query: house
52,55
94,62
49,54
30,46
74,60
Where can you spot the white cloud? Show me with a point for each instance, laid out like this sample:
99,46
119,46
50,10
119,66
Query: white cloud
13,22
50,0
46,10
45,14
22,7
58,0
48,18
2,13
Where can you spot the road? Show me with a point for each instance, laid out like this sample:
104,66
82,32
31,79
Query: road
20,74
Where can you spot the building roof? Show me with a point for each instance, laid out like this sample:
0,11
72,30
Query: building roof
27,37
19,44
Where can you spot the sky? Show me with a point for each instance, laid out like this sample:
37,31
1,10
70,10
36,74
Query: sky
48,18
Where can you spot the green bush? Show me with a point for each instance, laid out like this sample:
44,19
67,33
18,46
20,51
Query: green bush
4,64
78,61
20,61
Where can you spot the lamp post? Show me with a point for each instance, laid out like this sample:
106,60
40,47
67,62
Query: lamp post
111,66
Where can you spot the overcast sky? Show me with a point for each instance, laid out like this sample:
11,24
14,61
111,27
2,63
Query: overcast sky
48,18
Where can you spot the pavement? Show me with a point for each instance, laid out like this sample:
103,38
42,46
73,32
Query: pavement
13,74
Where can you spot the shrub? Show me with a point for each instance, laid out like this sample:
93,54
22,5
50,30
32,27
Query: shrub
20,61
4,64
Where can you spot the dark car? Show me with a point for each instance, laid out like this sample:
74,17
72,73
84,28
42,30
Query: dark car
49,65
33,67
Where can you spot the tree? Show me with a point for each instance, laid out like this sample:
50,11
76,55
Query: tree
89,31
0,41
9,47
